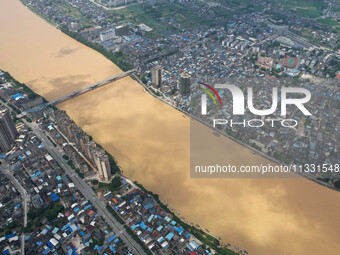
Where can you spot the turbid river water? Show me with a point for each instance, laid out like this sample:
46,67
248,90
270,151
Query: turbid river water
151,142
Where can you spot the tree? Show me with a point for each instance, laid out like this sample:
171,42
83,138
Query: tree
115,183
337,184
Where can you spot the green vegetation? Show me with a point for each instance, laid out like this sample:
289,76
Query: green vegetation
283,158
74,12
14,117
239,6
220,12
254,58
114,185
225,251
151,14
95,242
2,99
30,93
117,58
333,67
154,92
115,169
136,238
14,108
28,119
323,179
81,175
337,184
51,213
274,71
71,164
310,8
329,21
113,164
307,33
308,12
114,214
10,228
49,138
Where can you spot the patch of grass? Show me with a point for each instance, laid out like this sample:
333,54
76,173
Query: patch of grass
310,8
308,12
151,15
68,9
114,185
136,15
239,6
329,21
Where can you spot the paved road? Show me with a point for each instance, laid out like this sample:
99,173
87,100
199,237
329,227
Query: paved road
23,193
88,193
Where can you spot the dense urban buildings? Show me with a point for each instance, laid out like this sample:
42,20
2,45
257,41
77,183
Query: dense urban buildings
250,44
50,206
8,132
49,164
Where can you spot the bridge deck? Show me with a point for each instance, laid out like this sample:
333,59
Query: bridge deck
90,88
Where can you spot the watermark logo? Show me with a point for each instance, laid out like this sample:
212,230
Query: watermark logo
238,102
204,97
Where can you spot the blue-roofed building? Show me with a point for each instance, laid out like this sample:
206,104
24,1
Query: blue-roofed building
148,206
17,96
170,236
46,251
55,197
111,238
151,217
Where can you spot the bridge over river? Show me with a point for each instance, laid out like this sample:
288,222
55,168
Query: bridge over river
90,88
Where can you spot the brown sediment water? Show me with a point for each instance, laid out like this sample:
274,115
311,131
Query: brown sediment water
150,140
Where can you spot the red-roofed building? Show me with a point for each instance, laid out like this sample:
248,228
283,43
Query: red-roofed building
337,77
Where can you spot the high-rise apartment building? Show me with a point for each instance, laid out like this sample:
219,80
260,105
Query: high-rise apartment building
157,76
102,164
8,132
107,35
184,84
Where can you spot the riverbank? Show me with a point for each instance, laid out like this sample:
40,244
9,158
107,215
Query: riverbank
262,154
204,237
118,58
151,142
